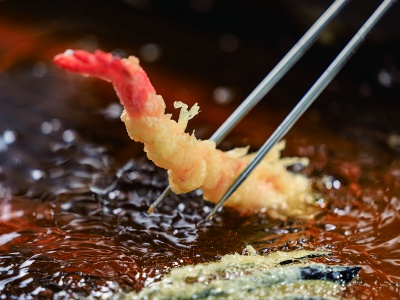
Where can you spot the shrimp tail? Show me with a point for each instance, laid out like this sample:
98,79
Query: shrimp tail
130,81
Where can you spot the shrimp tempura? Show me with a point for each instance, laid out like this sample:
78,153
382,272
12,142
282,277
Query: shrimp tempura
191,163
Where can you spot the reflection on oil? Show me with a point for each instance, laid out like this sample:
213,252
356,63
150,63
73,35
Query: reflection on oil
73,210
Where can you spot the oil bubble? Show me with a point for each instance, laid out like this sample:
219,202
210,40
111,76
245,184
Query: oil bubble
9,136
69,136
223,95
150,52
38,174
228,42
385,78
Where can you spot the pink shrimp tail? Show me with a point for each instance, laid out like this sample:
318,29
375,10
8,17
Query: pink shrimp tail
129,79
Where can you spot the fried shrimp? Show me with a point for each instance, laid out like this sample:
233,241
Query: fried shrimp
191,163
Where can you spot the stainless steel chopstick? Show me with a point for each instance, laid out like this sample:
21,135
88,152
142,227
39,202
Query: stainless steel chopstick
308,99
270,80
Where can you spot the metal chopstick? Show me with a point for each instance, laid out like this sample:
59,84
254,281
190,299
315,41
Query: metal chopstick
308,99
270,80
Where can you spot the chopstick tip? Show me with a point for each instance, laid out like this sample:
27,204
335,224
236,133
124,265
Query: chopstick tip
209,216
151,209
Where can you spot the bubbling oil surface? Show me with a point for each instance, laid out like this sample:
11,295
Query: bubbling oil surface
73,212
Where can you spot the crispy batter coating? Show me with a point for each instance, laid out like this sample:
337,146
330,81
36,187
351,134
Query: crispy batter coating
191,163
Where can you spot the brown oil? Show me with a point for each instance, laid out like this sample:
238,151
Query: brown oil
75,191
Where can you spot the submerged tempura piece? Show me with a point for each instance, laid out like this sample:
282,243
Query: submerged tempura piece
280,275
191,163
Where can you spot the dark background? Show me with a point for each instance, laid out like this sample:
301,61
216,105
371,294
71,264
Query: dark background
197,55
